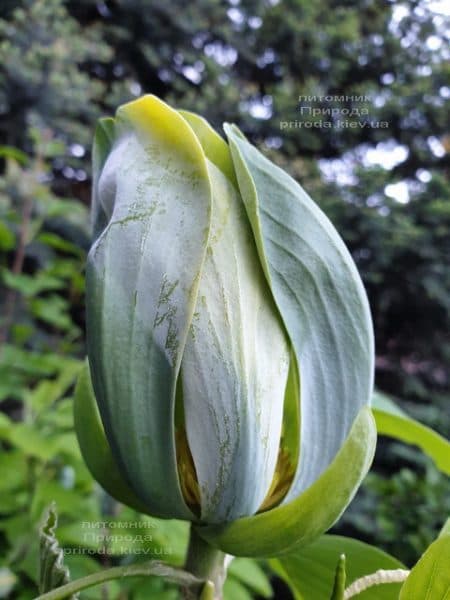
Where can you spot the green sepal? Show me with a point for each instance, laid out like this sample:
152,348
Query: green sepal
94,445
299,522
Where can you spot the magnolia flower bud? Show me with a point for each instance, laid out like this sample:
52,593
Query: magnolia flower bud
229,337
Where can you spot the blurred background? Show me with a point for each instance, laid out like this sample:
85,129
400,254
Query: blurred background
351,98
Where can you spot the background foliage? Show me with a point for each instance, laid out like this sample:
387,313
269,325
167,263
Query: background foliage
62,65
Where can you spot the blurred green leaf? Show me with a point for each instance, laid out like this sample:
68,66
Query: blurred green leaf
430,578
82,565
235,590
53,310
31,441
33,364
392,421
58,243
249,573
13,467
14,153
49,390
31,285
310,571
5,427
7,238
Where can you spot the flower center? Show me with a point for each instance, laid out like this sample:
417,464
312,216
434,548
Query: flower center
282,479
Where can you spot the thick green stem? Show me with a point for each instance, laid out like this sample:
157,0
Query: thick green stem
205,562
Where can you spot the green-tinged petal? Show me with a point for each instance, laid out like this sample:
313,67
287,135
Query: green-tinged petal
394,422
234,368
94,446
298,523
215,147
321,299
142,279
310,571
430,578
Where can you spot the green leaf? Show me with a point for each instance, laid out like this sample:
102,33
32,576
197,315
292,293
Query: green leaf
95,447
32,364
430,578
321,300
302,520
14,153
53,573
31,285
392,421
31,441
251,574
53,310
13,467
235,590
7,238
152,587
6,426
311,571
58,243
141,286
50,390
82,566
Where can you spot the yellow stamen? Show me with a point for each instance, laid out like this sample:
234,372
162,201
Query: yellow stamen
282,479
186,472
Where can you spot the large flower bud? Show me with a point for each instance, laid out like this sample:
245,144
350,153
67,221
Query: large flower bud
229,337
